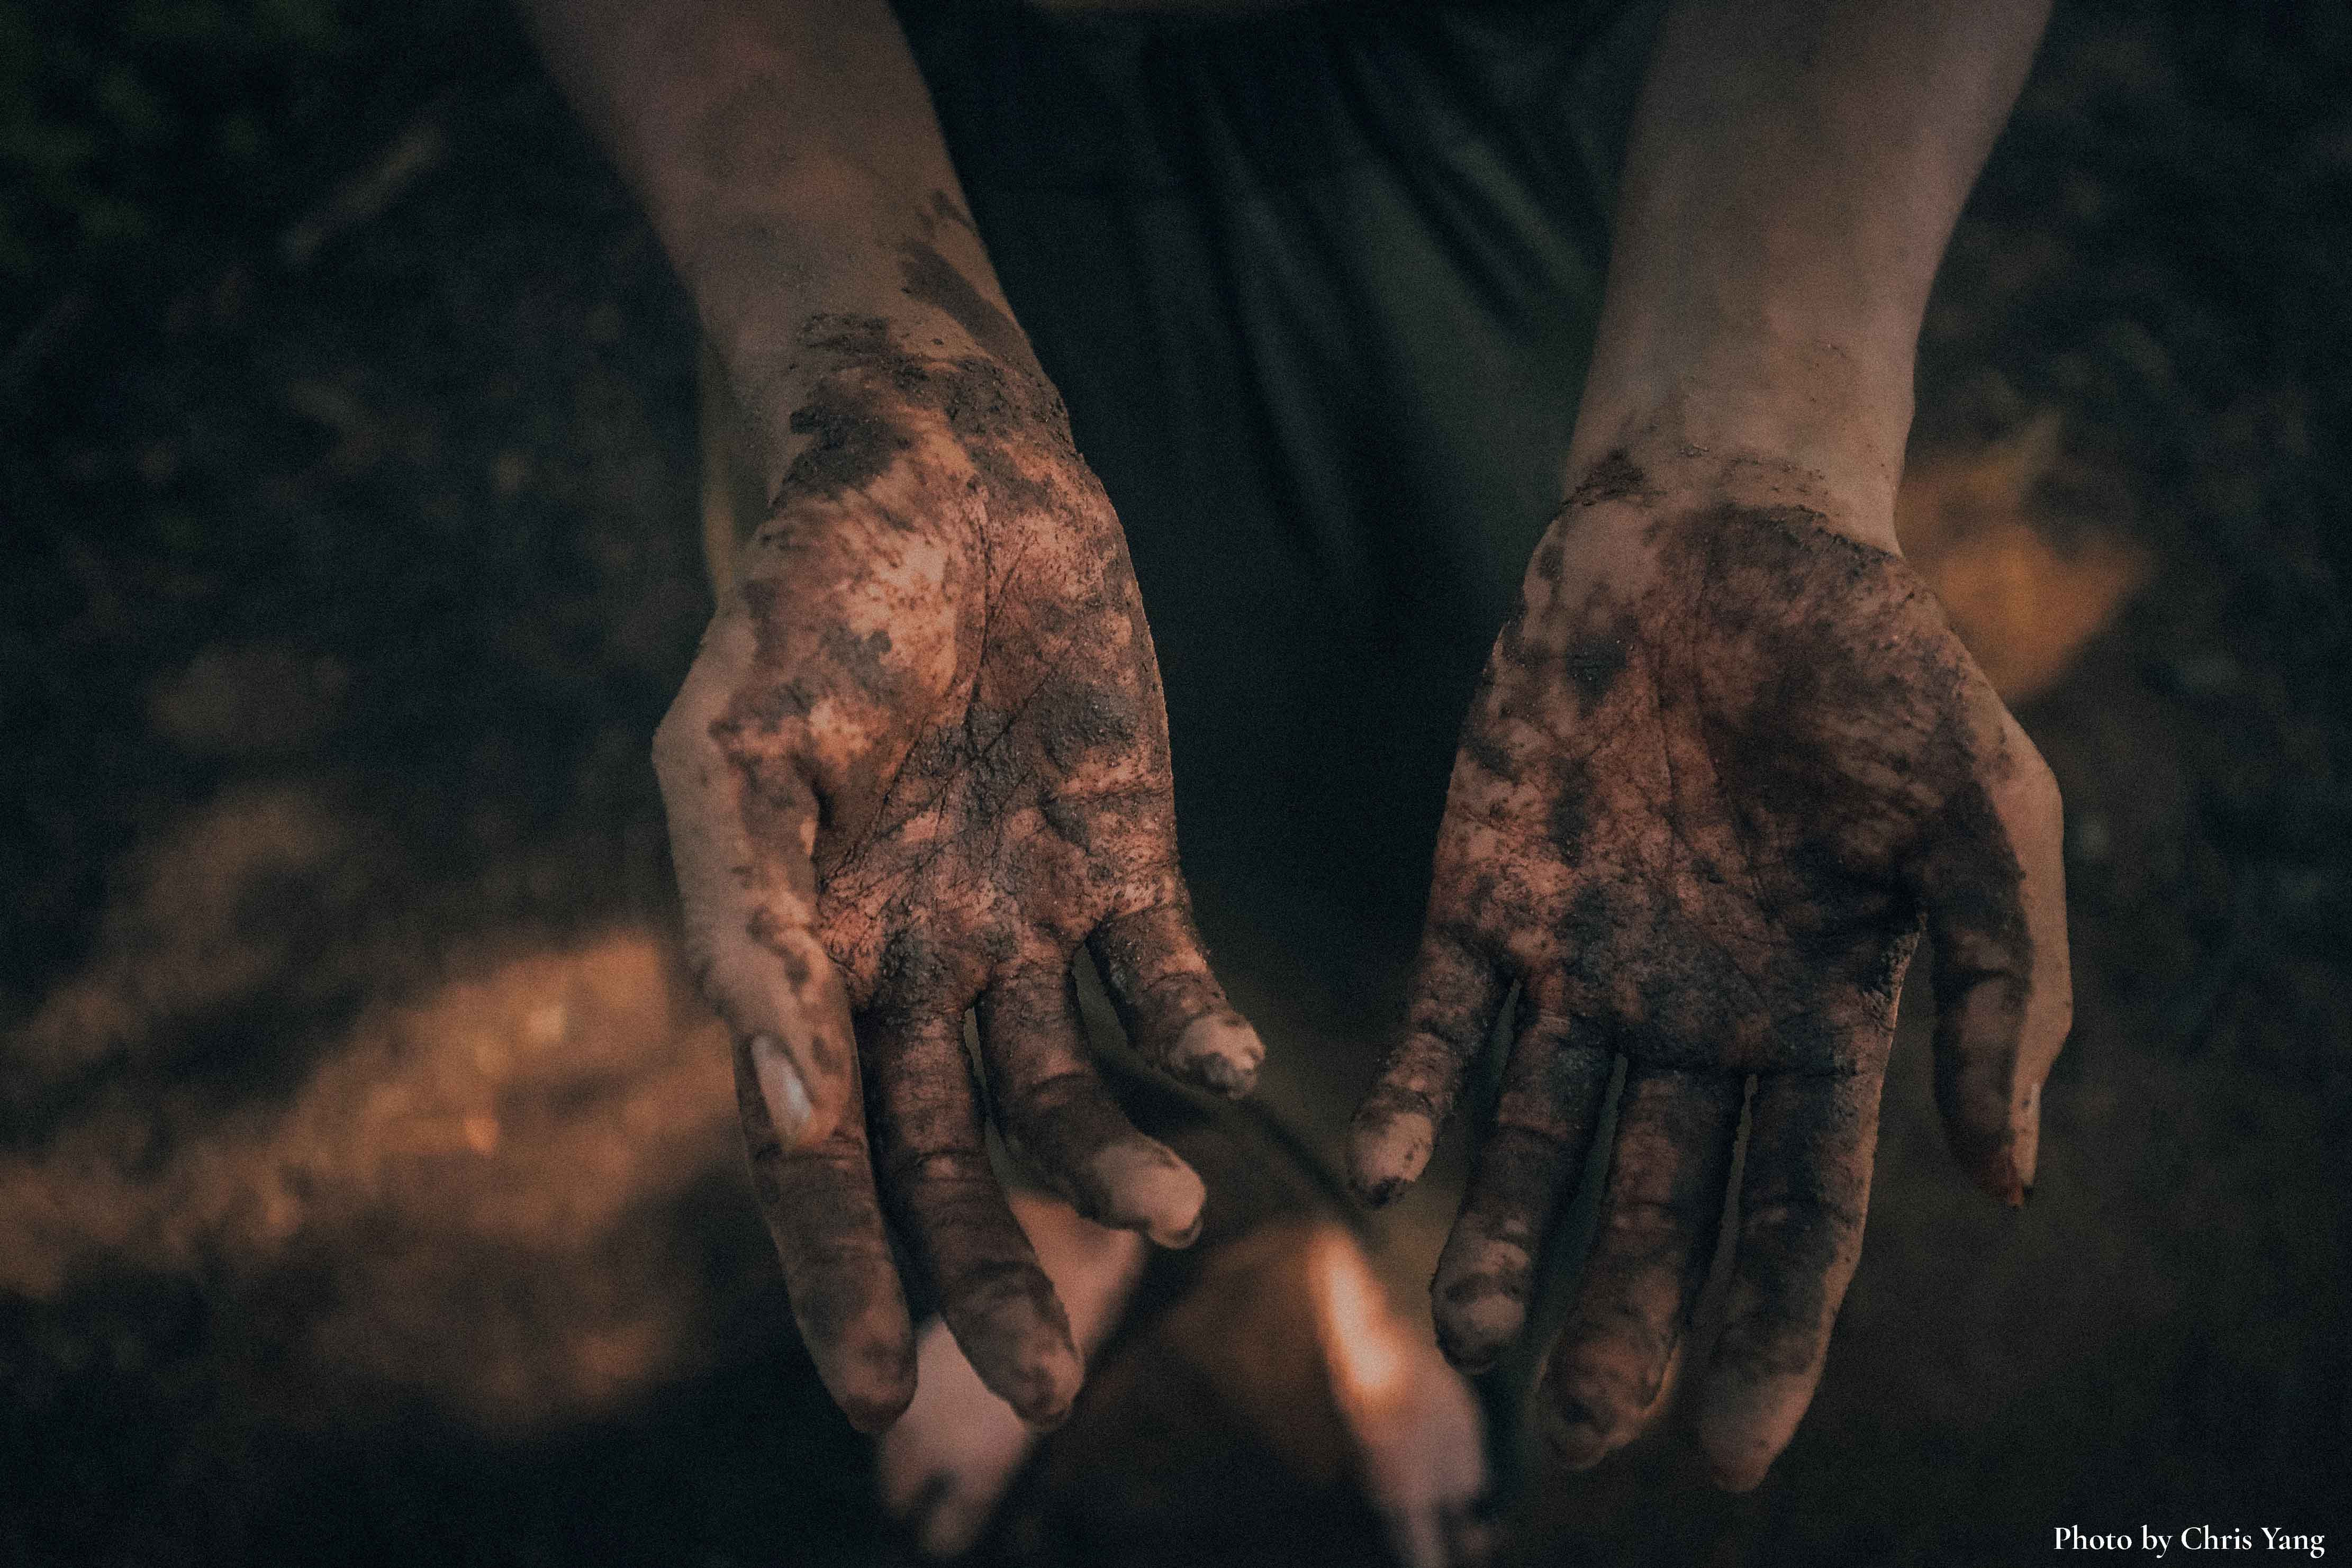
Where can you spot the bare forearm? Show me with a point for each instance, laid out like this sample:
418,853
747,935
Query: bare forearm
1795,170
789,160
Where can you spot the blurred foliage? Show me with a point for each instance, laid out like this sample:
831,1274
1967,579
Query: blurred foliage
124,120
139,132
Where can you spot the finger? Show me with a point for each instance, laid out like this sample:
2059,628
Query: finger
1802,1194
1453,996
1994,884
1552,1093
742,847
1611,1368
820,1209
1175,1014
946,1464
1054,1108
997,1300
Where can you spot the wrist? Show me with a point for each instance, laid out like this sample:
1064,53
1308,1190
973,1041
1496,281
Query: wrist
785,321
942,442
1809,424
1673,468
780,326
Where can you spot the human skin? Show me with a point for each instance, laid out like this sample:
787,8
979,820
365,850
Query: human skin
1727,760
921,759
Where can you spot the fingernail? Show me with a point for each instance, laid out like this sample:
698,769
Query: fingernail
1221,1051
781,1086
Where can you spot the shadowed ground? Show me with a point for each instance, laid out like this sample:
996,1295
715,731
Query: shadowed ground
368,1189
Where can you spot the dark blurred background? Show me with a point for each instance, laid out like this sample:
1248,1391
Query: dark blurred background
367,1187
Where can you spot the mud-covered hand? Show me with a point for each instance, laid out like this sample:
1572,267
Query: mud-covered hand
919,763
1723,765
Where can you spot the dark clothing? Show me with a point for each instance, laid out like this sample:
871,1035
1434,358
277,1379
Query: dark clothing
1319,286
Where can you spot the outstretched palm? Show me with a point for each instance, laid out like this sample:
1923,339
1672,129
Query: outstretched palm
920,764
1720,765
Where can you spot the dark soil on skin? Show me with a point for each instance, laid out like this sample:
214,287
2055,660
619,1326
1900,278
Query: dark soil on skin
392,500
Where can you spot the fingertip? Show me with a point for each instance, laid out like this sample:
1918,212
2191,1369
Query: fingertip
1745,1420
1991,1170
1735,1468
2025,1148
1048,1420
877,1388
2005,1185
2005,1172
1023,1352
1474,1328
1147,1188
1387,1152
1990,1123
1218,1050
1604,1388
1575,1413
1179,1223
874,1417
1992,1157
1478,1301
1049,1388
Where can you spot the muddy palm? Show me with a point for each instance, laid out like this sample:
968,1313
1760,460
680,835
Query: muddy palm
1723,765
919,764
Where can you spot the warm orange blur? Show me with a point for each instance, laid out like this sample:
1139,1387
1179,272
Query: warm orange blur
484,1168
1976,525
1360,1336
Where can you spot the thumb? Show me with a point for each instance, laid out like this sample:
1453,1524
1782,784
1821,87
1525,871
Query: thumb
749,902
1993,886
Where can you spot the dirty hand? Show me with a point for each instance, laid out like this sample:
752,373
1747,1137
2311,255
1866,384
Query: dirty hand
919,761
1723,764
